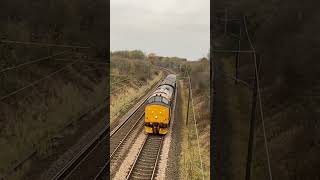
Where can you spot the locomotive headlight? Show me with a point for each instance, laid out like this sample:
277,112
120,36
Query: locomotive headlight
160,112
156,117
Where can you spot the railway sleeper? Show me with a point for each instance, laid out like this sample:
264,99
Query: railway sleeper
145,175
153,149
149,156
145,165
147,161
144,169
139,178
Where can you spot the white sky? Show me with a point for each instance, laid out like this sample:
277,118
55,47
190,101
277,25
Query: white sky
166,27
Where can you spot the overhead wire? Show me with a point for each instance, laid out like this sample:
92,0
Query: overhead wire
37,81
259,98
44,44
32,62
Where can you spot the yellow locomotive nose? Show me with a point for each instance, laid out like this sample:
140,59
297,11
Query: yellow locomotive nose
157,113
156,118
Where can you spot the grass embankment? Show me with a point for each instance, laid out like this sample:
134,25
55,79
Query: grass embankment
237,99
131,79
286,38
129,94
32,122
190,161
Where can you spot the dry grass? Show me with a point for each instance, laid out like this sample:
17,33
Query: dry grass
121,101
190,164
238,109
130,79
41,116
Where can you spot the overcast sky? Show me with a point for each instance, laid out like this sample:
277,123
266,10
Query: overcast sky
166,27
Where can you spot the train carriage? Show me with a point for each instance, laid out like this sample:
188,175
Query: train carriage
158,109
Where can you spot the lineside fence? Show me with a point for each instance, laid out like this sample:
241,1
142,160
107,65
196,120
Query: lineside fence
193,160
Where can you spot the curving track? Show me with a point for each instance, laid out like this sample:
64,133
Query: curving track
119,138
94,154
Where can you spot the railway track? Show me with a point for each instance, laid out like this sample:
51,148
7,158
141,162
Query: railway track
145,165
119,138
121,134
91,155
94,153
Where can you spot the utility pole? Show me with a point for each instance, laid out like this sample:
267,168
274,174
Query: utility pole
225,21
149,73
252,121
238,54
188,102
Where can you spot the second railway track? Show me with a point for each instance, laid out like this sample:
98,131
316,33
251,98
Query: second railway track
94,154
120,137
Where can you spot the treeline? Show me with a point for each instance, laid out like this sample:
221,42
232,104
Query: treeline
135,54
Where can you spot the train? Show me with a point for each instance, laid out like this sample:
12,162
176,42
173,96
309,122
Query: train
159,107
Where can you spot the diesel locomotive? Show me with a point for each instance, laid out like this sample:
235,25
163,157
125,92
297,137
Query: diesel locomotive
159,107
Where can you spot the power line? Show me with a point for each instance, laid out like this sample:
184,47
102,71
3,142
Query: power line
84,61
259,98
93,69
37,81
232,77
44,44
232,51
32,62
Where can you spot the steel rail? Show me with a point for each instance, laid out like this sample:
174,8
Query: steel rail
76,161
102,170
79,157
139,155
117,128
156,162
135,109
136,159
34,152
122,140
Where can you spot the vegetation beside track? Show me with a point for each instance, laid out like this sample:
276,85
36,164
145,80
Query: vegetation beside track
30,118
190,162
199,72
130,79
42,112
285,37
